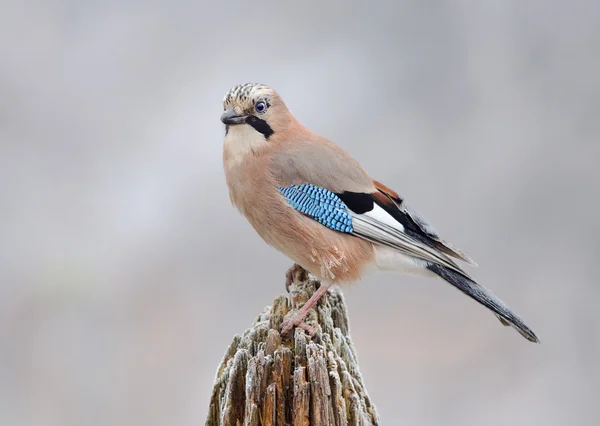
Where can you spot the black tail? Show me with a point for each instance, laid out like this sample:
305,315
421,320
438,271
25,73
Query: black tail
486,298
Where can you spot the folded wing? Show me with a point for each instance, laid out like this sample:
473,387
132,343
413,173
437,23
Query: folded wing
380,218
361,214
395,205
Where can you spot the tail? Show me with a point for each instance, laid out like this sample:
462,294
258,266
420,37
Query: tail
486,298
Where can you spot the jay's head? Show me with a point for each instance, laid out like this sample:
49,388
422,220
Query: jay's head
253,107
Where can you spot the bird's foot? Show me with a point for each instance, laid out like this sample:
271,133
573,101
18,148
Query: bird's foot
293,320
289,276
297,320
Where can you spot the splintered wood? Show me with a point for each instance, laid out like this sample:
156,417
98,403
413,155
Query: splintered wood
265,380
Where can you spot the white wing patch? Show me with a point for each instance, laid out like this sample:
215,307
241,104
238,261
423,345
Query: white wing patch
380,215
380,227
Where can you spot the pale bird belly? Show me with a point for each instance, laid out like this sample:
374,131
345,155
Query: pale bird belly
388,259
329,255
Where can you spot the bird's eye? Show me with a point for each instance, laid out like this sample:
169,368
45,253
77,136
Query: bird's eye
261,107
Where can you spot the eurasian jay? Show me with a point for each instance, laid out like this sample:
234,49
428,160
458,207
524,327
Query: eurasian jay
313,202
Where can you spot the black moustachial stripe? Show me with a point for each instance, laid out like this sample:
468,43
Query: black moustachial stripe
260,126
358,202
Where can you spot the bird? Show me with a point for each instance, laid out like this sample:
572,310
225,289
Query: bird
309,199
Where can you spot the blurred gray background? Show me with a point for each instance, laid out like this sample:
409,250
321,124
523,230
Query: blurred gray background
125,272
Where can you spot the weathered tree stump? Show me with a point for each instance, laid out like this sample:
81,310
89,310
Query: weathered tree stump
266,380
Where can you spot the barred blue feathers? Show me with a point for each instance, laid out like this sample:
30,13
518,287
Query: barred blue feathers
322,205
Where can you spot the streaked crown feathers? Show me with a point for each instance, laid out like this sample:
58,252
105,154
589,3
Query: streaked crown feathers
245,95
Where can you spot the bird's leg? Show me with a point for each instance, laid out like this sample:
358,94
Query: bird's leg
297,319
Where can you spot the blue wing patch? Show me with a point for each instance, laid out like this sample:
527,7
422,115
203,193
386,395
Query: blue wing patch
319,203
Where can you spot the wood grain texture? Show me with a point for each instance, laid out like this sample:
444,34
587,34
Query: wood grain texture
298,381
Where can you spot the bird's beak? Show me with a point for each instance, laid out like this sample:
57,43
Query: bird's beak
230,117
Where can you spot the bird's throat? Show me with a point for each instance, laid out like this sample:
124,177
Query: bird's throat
240,140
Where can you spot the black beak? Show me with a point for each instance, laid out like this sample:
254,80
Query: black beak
230,117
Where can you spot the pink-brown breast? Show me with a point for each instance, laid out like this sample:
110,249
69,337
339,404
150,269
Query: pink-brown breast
329,255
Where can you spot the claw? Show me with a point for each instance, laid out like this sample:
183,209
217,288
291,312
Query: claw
289,275
312,332
289,278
